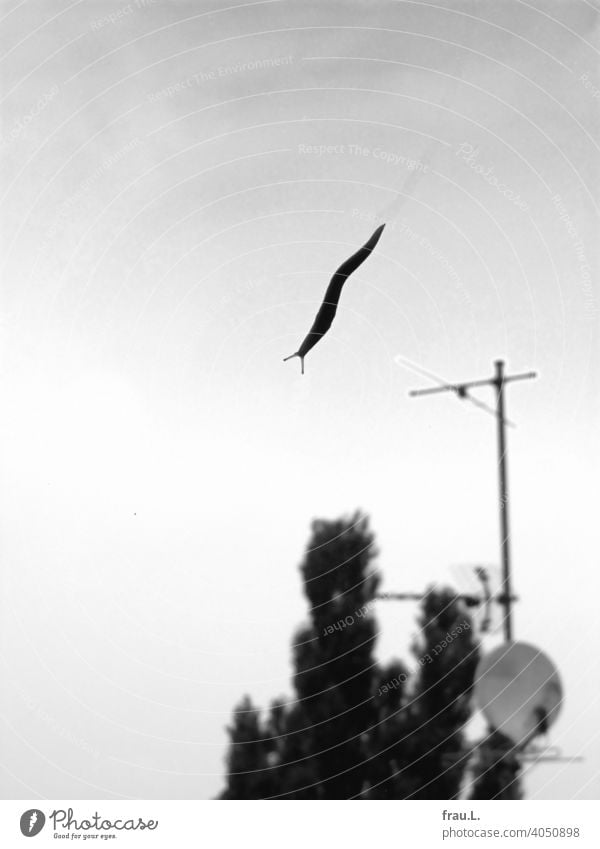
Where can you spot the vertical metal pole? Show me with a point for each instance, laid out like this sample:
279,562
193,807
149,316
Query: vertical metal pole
503,495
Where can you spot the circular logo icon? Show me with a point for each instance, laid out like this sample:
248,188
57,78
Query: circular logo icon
32,822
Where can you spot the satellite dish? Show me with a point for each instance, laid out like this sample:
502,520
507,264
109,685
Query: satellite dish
519,691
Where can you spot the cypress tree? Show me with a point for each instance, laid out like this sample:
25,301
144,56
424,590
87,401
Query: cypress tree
335,666
447,656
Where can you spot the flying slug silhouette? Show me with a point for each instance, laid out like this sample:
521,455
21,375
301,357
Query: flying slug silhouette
328,308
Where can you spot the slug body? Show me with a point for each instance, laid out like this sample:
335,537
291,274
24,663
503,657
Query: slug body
328,308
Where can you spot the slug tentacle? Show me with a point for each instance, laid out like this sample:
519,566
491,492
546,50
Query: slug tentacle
291,357
328,308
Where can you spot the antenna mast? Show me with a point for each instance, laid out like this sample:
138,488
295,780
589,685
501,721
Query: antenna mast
499,381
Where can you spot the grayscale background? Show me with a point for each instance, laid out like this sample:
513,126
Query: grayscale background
179,180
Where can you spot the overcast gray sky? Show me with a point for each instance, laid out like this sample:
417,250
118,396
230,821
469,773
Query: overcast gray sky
179,180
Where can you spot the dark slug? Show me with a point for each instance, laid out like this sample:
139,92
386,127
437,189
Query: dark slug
328,308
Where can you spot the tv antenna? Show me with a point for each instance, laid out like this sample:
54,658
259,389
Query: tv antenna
462,390
482,599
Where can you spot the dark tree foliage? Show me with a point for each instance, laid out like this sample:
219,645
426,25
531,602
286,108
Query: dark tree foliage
496,774
334,661
422,752
387,763
447,656
357,729
248,757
